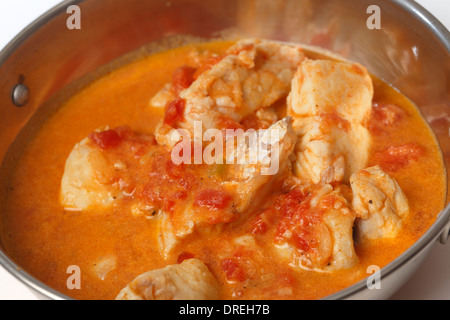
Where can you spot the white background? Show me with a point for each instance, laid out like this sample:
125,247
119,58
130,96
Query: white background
431,281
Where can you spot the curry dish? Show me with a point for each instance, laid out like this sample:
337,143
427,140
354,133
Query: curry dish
358,178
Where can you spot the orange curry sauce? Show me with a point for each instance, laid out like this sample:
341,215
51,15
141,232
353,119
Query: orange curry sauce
44,239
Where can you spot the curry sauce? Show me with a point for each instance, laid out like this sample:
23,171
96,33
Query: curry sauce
44,239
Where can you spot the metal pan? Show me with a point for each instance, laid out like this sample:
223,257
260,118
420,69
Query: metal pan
411,51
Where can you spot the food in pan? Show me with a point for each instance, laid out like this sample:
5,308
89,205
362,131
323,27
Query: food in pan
132,179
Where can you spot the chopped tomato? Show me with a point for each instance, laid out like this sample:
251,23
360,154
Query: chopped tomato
384,116
240,266
289,204
259,227
180,194
330,201
262,222
300,239
152,195
106,139
396,157
253,122
298,221
182,78
174,111
125,132
233,270
133,144
174,171
212,199
225,122
207,65
168,183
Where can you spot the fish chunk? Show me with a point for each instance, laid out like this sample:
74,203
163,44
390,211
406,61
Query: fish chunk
103,168
190,280
253,75
249,177
327,87
246,181
379,203
316,233
331,103
86,181
103,266
328,151
163,97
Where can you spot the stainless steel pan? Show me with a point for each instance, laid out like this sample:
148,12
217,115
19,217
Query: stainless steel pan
410,51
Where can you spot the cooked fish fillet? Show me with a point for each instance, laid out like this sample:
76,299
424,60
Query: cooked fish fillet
190,280
162,97
246,177
327,87
254,74
86,179
379,203
247,182
327,151
326,226
330,103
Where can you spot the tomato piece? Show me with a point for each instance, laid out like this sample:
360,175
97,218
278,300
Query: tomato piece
253,122
106,139
384,116
233,271
182,78
212,199
262,222
180,195
174,111
152,195
396,157
298,221
259,227
225,122
125,132
300,240
207,65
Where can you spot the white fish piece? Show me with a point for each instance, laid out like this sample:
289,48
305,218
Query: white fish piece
190,280
103,266
379,203
328,152
86,179
327,87
253,75
254,166
331,103
162,97
246,180
333,233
